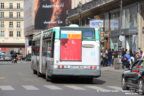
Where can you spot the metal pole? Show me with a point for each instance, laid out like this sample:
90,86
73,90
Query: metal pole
120,29
121,8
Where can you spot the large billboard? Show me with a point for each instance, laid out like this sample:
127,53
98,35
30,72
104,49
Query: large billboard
50,13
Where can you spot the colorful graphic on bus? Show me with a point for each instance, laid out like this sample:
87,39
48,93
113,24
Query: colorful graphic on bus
71,45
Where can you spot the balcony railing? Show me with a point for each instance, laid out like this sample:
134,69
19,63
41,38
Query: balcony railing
13,9
14,18
88,6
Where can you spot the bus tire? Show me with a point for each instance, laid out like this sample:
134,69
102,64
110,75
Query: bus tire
47,77
34,71
38,74
53,79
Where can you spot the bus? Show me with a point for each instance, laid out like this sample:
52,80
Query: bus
66,51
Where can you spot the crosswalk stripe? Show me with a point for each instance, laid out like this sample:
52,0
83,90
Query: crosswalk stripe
7,88
74,87
30,87
117,88
99,89
52,87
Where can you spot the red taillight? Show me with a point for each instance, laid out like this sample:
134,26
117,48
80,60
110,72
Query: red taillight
91,67
94,67
62,67
58,66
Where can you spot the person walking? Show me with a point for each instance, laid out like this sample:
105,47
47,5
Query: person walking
127,60
109,57
136,57
140,52
105,58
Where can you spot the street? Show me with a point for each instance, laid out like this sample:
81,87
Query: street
18,80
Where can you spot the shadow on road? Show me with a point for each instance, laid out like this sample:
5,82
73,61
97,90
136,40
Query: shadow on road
76,80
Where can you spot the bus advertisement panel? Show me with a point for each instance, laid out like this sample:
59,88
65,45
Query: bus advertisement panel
50,13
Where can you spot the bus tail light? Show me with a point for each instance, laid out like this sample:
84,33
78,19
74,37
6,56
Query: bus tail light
62,67
93,67
59,67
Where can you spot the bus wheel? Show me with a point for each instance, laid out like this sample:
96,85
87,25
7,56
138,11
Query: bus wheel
34,72
53,79
38,73
47,77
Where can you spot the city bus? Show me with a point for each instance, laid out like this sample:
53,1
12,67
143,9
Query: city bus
66,51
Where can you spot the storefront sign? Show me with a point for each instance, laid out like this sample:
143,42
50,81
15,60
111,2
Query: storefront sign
96,23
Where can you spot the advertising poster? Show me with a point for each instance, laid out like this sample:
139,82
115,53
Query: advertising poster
50,13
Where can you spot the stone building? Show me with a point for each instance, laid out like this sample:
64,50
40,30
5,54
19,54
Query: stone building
12,26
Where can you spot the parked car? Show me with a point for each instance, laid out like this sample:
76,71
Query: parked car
134,77
5,58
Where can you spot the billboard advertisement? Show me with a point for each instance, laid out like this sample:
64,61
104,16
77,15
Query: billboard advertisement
50,13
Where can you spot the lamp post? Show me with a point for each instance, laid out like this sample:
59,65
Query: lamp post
120,42
79,7
120,29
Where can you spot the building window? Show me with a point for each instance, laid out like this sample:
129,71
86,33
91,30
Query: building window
11,14
114,22
18,5
11,24
129,19
1,14
18,34
106,23
2,5
2,24
18,24
18,15
11,5
2,34
11,34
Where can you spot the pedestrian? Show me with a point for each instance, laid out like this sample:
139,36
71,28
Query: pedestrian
105,58
136,57
126,60
113,56
123,52
140,52
109,57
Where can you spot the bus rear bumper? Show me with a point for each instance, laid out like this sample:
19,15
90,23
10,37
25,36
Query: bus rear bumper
77,72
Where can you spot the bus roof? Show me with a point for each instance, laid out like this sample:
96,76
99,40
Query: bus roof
57,29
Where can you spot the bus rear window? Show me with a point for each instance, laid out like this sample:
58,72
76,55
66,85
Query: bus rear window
88,35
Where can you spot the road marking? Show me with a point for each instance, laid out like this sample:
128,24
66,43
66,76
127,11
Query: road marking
52,87
118,88
30,87
99,89
74,87
7,88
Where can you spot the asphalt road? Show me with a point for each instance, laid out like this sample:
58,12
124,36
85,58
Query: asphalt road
18,80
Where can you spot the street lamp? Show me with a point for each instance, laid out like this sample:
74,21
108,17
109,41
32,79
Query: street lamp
79,8
120,29
120,33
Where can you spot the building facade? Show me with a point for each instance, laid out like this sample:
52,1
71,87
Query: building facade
127,22
12,26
